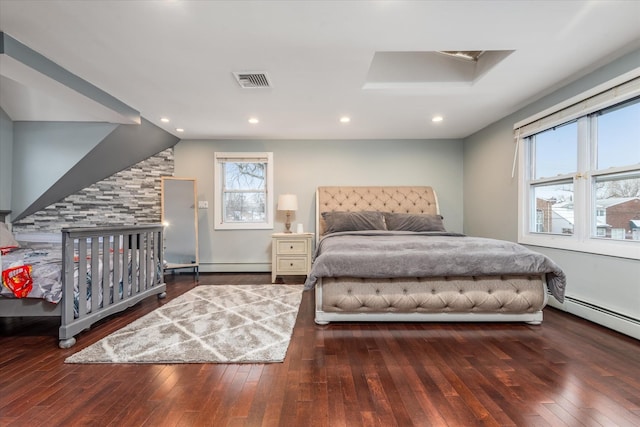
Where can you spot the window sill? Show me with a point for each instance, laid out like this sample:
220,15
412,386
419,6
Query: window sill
243,226
616,248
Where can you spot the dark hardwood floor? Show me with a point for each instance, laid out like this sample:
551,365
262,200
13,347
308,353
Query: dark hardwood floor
565,372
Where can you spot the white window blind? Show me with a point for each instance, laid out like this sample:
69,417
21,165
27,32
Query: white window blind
242,157
597,99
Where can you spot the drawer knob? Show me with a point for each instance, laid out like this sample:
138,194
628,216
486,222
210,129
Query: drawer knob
291,264
291,247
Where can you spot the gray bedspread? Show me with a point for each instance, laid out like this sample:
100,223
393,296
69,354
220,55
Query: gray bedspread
383,254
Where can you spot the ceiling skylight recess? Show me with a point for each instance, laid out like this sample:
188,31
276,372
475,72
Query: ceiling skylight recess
431,70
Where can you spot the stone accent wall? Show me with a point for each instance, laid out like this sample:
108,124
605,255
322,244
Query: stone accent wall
129,197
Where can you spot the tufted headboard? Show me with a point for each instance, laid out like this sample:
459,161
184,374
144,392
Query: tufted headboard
414,199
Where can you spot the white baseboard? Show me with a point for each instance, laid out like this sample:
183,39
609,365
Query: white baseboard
602,316
257,267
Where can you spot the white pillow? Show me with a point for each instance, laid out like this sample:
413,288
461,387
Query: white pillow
6,238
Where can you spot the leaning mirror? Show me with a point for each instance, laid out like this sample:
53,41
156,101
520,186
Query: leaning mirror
180,218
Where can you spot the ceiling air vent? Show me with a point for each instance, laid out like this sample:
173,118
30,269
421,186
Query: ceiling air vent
252,80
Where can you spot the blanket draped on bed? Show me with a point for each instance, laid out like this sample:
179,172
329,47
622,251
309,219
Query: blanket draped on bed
382,254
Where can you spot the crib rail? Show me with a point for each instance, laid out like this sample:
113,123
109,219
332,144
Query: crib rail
106,270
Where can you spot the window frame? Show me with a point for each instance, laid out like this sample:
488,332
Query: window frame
231,157
584,237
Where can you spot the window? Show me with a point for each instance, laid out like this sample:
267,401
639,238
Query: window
580,174
243,184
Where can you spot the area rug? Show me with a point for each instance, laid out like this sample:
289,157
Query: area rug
208,324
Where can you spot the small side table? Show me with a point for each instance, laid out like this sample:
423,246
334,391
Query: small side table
290,254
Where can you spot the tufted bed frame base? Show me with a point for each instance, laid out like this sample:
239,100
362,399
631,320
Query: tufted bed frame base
417,299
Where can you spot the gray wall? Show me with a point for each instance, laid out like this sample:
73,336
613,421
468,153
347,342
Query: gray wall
6,157
56,147
300,167
491,201
44,151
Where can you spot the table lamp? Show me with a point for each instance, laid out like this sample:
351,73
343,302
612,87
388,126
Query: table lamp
288,203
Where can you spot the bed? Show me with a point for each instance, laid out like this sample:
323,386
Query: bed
383,254
89,274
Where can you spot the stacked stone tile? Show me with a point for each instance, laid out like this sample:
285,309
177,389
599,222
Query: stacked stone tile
129,197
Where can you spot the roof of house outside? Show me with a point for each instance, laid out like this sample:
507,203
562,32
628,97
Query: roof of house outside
607,203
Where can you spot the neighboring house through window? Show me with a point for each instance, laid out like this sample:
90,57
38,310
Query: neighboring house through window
243,185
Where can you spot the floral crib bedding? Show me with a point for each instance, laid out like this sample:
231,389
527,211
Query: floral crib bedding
33,272
36,272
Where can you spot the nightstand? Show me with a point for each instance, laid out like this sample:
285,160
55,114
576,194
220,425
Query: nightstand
290,254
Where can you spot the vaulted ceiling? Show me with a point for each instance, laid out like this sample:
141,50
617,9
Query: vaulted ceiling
376,62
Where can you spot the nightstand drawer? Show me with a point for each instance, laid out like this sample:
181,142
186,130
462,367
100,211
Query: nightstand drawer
292,264
291,246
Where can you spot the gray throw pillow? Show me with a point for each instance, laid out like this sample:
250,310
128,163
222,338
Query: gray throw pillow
353,221
413,222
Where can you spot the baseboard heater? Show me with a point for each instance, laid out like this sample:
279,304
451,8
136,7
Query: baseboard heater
612,319
604,310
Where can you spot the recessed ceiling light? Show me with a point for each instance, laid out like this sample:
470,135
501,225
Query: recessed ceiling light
345,119
164,120
437,119
179,130
254,120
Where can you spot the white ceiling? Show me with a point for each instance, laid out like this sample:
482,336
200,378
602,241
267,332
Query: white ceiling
176,59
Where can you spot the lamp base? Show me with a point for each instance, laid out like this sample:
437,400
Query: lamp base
287,224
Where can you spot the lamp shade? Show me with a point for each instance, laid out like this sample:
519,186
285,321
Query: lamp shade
287,202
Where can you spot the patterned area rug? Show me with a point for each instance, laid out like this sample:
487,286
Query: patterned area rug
208,324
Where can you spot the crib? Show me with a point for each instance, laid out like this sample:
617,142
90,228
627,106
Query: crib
103,271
